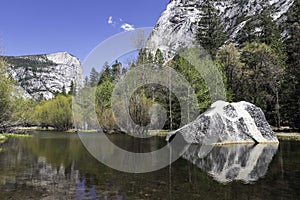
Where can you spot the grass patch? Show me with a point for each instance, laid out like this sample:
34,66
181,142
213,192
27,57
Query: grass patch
2,139
161,133
81,131
288,136
16,135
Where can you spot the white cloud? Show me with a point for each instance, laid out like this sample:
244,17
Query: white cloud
110,20
119,22
127,27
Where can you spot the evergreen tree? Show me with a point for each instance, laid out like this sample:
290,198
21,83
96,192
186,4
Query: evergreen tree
150,57
159,58
86,81
142,57
291,92
63,91
261,78
210,33
116,71
6,88
230,59
103,94
72,89
94,77
262,29
106,74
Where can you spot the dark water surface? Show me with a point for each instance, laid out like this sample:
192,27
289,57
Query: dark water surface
57,166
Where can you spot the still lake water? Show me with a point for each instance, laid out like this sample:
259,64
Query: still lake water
57,166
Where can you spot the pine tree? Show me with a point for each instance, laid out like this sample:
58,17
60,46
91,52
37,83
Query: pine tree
106,74
150,57
262,29
6,87
94,77
116,71
159,58
261,78
86,81
63,91
210,33
142,57
292,78
72,89
230,60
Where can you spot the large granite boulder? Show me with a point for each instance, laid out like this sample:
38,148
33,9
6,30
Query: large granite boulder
228,123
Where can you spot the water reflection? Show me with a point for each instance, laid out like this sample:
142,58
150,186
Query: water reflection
57,166
225,164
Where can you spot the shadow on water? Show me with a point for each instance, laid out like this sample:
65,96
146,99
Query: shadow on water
57,166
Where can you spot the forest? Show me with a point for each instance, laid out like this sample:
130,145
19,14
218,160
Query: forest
261,68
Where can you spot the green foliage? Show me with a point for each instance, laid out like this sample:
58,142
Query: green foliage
40,62
291,86
210,33
142,57
103,94
94,77
255,75
116,71
229,58
159,57
56,113
262,29
106,74
195,79
6,89
139,108
72,89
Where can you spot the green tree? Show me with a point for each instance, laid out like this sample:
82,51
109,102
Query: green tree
63,90
103,94
142,57
210,33
262,29
72,89
261,78
86,81
94,78
159,58
292,78
150,57
56,112
116,71
229,58
196,81
6,89
106,74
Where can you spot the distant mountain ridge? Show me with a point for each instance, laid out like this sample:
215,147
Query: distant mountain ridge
177,25
42,76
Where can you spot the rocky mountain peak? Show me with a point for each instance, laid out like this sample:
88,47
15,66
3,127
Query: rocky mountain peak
42,76
63,58
177,25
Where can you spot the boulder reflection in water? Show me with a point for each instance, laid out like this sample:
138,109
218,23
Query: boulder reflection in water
246,163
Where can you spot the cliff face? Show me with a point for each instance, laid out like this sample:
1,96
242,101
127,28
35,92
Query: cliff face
177,25
41,76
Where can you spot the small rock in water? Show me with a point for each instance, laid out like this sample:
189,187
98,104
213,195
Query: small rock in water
228,123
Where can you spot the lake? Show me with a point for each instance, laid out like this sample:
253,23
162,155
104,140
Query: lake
57,166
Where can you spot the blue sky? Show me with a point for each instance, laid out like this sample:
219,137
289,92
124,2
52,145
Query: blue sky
76,26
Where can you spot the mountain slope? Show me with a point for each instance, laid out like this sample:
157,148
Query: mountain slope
41,76
177,25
